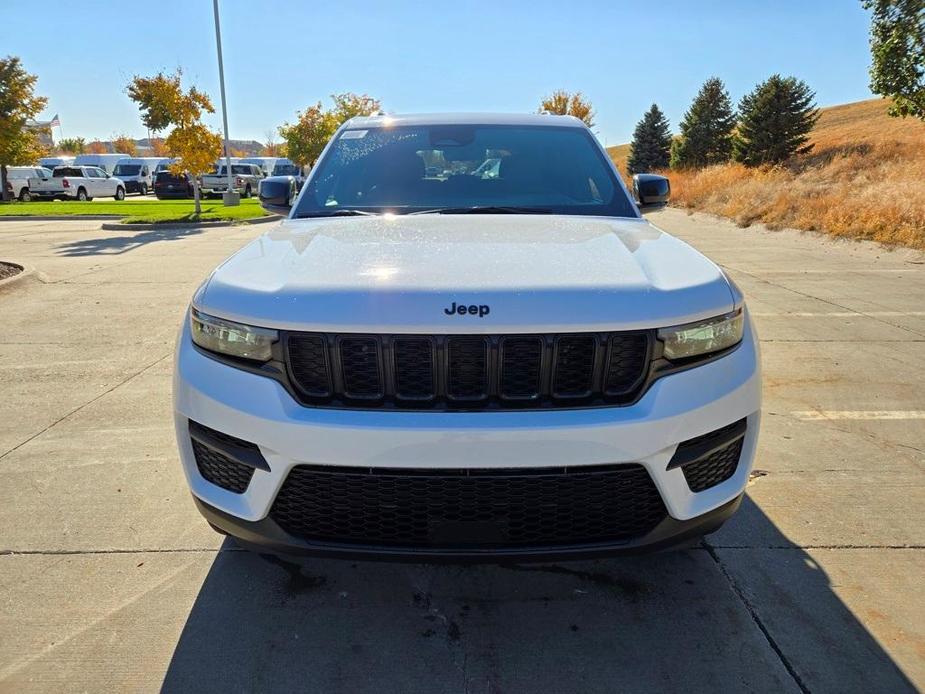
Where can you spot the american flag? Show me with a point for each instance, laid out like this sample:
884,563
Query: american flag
55,123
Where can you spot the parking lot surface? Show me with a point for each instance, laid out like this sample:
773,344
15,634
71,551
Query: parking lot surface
110,580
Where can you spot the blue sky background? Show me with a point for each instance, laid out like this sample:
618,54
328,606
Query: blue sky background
431,56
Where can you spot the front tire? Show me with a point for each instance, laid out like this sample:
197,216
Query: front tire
120,193
82,195
25,195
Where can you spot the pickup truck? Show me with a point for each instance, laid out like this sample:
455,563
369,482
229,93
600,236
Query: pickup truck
79,183
472,367
17,180
245,179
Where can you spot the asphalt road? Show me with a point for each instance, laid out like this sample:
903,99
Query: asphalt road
110,581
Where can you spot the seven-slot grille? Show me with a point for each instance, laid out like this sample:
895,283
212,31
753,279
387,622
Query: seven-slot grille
468,371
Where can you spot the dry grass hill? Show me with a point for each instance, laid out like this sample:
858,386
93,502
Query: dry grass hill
865,178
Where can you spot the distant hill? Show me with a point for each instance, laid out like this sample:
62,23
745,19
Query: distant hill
865,178
845,125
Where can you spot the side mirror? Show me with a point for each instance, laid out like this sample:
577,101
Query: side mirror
651,191
277,194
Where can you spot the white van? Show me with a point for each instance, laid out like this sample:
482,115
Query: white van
51,162
107,162
138,173
275,166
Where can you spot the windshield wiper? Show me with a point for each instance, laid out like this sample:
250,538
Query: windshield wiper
338,213
485,209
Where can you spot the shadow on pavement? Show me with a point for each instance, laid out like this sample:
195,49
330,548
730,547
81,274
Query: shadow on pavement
115,245
666,622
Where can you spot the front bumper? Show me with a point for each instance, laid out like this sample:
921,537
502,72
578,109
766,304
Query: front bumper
676,408
265,536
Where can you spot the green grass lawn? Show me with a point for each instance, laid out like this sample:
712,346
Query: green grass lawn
146,211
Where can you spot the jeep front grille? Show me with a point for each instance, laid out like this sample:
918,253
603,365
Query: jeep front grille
468,371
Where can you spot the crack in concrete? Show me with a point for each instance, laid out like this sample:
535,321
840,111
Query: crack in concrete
740,594
89,402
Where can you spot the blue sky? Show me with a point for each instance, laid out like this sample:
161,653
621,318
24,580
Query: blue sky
431,56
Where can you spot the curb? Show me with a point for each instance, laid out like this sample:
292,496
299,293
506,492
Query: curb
189,225
25,271
58,217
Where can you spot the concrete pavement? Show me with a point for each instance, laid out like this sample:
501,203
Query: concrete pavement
110,581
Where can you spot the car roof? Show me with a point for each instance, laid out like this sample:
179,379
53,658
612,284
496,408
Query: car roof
382,120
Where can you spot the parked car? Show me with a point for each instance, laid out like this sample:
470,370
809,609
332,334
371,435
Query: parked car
17,180
466,367
137,173
170,185
244,177
80,183
106,162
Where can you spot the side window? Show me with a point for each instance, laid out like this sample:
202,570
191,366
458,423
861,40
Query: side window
96,173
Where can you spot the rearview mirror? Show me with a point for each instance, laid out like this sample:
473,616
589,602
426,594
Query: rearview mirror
277,194
651,191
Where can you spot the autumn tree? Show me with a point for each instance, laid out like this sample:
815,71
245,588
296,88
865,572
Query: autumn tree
163,104
349,105
18,105
72,145
706,129
897,46
125,144
158,148
775,120
564,103
273,147
307,137
651,145
96,147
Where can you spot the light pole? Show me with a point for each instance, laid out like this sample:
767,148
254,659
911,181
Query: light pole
230,197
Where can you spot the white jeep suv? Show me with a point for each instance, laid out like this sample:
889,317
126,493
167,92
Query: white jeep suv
424,361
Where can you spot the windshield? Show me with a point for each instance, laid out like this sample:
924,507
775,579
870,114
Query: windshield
506,168
238,169
286,170
126,170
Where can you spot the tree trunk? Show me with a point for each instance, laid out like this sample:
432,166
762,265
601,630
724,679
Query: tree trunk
4,195
196,196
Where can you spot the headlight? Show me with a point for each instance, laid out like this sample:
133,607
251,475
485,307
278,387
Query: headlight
703,337
234,339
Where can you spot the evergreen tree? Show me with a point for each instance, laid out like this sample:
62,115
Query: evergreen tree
706,130
775,121
651,145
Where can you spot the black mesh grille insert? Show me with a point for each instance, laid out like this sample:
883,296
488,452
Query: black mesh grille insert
220,469
717,467
468,508
626,363
309,363
521,359
414,368
574,366
360,363
467,373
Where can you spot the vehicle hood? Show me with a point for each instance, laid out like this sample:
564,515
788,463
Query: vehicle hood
400,273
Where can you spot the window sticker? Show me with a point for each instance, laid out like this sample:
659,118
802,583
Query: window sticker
353,134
